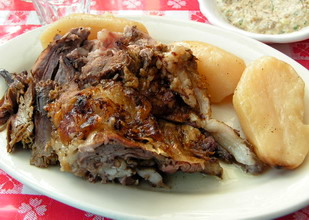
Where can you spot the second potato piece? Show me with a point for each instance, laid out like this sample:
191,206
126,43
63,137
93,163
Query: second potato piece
219,69
269,101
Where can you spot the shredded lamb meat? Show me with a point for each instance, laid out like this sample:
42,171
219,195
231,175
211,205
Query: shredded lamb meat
120,108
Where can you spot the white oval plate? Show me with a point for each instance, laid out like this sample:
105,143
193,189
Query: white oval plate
237,196
210,10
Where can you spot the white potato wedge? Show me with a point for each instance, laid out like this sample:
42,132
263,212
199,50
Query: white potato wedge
95,22
219,69
269,101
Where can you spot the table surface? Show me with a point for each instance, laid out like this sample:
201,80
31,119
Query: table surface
18,201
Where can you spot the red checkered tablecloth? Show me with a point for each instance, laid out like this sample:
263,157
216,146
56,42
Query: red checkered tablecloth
18,201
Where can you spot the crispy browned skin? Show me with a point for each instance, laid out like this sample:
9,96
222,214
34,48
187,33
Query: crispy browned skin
112,114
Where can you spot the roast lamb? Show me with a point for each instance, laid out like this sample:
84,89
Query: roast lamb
121,108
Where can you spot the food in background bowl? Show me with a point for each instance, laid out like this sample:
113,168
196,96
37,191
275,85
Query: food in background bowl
211,10
265,16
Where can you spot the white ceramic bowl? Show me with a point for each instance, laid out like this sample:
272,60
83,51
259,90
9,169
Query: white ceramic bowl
210,10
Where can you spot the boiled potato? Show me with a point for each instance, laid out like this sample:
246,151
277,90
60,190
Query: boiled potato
219,69
95,22
269,101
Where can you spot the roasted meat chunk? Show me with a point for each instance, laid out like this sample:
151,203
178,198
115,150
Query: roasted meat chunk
42,153
119,108
16,109
54,62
